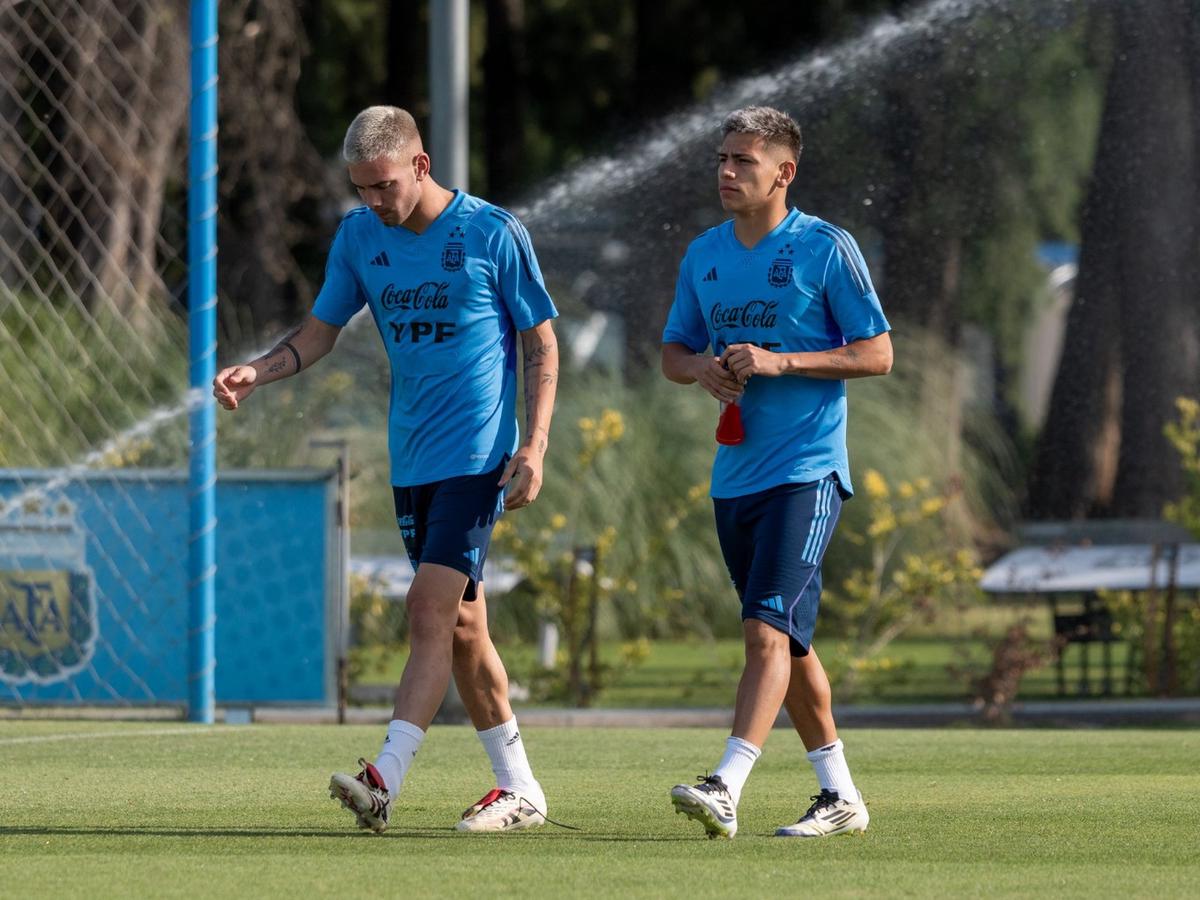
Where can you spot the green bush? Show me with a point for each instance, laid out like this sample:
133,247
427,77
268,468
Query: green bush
75,378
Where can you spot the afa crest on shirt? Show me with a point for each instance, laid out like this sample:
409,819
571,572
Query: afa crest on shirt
454,252
48,623
780,273
453,256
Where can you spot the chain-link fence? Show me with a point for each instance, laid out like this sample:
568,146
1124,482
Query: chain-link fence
93,384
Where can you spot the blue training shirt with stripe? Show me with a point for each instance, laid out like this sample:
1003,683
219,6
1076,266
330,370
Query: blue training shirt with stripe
448,303
803,287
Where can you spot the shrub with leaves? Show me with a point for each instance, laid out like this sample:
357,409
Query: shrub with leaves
1184,435
911,576
620,543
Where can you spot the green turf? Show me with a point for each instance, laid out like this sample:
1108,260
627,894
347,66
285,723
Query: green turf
705,673
166,810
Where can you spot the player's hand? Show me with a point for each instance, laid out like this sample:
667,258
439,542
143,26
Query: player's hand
716,379
744,360
523,478
234,384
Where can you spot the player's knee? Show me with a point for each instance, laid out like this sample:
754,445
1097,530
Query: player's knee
763,640
429,617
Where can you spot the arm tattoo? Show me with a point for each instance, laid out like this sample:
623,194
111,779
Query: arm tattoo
286,344
531,396
537,357
295,354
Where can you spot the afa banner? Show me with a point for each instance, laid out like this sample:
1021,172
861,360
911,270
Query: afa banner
93,587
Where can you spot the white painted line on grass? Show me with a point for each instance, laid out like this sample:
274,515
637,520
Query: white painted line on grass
93,735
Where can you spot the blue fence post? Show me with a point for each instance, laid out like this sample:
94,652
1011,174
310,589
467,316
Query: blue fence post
202,350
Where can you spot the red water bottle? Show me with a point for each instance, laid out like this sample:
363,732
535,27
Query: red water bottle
729,427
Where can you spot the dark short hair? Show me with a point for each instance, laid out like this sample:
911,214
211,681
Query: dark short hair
774,127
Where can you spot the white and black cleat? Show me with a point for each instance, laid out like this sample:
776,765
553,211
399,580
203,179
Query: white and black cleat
709,803
829,815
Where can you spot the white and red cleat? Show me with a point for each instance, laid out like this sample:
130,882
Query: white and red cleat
502,810
365,795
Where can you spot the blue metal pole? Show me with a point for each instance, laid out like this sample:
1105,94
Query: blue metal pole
202,353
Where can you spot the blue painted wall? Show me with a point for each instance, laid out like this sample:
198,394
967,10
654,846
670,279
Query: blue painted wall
276,545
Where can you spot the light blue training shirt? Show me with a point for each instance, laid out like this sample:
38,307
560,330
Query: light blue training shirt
803,287
448,303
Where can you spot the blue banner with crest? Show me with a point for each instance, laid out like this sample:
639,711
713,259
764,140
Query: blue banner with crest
93,587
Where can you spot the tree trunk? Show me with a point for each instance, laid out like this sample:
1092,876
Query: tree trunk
111,88
1159,337
1131,342
1074,462
271,176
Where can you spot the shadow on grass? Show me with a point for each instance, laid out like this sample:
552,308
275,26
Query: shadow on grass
393,834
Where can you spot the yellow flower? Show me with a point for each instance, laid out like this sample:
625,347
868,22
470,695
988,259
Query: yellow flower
612,424
607,538
932,505
906,490
587,424
558,521
882,524
875,485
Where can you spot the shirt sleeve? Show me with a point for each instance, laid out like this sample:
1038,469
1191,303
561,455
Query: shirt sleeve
685,322
518,276
852,299
341,295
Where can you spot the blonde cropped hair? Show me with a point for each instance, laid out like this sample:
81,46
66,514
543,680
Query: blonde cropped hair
378,132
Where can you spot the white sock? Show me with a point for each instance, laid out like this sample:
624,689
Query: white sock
832,772
399,748
506,750
734,767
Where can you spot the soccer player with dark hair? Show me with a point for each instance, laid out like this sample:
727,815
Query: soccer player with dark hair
450,281
784,301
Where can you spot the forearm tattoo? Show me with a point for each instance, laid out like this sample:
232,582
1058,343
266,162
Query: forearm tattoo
541,375
295,354
280,365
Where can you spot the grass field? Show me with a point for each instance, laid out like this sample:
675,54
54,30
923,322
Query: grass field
705,673
169,810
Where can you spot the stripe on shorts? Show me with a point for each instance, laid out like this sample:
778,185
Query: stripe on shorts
816,530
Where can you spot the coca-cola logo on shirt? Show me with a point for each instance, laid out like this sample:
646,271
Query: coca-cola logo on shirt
755,314
430,295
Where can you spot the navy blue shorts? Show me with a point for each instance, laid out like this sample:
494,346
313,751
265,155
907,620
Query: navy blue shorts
773,542
450,522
